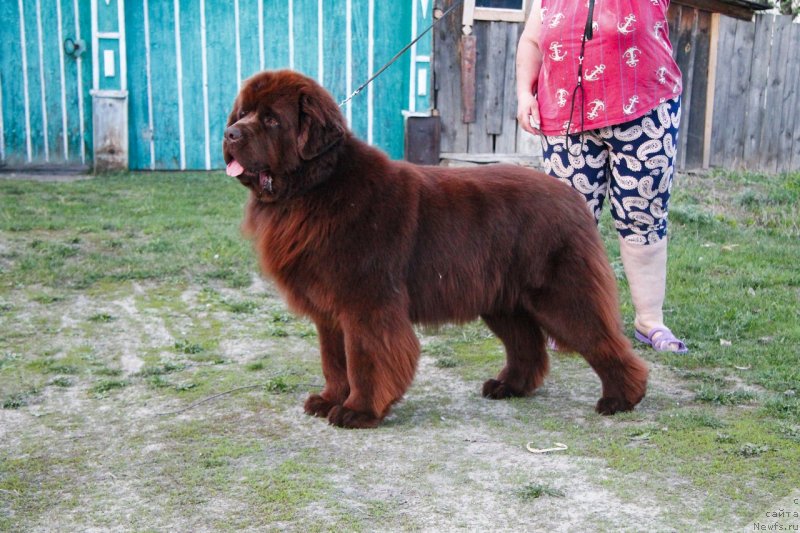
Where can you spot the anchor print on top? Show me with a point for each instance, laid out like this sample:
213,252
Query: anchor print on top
555,52
657,27
594,75
556,20
630,107
631,56
631,72
594,109
561,97
626,27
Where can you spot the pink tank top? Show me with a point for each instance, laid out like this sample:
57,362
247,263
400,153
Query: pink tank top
627,66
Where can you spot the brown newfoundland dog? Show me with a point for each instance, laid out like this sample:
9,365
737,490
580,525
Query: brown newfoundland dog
366,247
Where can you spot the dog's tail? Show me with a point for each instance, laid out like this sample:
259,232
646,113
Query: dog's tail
580,310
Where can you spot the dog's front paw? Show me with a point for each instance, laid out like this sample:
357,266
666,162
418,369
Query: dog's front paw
499,390
343,417
609,405
316,405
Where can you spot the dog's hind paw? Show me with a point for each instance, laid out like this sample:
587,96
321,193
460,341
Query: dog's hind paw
347,418
609,405
316,405
499,390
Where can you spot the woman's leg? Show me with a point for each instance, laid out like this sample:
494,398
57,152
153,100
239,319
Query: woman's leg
642,166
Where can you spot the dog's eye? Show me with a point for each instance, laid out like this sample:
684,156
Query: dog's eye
270,122
242,113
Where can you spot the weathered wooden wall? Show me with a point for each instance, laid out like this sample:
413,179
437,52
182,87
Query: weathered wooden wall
45,107
747,119
199,52
689,32
494,130
757,95
185,62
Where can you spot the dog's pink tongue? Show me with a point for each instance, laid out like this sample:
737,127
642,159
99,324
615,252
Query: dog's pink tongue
234,168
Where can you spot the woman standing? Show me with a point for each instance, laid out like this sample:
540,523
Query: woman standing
597,81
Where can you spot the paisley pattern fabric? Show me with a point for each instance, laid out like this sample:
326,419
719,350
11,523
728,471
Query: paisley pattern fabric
631,163
628,68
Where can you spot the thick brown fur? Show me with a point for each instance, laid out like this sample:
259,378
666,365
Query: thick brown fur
366,247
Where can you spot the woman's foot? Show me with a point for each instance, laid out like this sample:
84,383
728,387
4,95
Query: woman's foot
661,339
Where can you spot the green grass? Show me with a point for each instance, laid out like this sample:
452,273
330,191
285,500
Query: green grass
140,226
151,269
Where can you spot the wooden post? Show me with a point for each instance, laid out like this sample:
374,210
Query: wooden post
468,59
710,88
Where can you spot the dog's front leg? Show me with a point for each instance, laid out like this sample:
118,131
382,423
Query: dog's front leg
382,354
334,369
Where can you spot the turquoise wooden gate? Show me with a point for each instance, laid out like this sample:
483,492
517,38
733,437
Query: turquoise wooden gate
181,62
45,77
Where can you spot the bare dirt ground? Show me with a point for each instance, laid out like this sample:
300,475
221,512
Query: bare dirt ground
446,459
136,403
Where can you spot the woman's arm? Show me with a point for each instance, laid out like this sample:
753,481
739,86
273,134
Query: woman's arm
529,62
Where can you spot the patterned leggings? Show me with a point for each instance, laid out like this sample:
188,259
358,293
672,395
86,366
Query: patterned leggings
632,163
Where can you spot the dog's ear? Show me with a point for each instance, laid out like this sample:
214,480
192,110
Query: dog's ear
321,126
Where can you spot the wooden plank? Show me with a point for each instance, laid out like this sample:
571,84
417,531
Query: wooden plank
334,49
305,37
391,87
360,112
37,117
718,6
507,141
779,66
721,87
276,34
499,15
165,86
740,66
497,157
12,87
222,83
469,57
492,83
447,80
85,24
793,107
248,38
788,103
711,83
694,128
756,97
479,139
75,92
192,67
51,48
684,55
139,133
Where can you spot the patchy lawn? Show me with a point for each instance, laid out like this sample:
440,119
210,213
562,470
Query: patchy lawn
124,300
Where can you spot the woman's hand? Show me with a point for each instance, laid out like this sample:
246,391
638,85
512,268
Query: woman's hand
529,62
528,113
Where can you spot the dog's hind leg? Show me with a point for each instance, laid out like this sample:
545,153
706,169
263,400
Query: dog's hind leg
334,369
382,354
589,323
526,357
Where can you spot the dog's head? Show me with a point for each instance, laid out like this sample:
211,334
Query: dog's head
282,126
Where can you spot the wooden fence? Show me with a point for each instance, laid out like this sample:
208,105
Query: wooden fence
757,95
741,93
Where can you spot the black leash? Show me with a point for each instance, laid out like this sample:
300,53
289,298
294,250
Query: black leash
403,51
587,36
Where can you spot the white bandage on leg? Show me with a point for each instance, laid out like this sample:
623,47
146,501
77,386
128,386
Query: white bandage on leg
646,269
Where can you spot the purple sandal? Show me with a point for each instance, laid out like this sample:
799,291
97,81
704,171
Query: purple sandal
663,342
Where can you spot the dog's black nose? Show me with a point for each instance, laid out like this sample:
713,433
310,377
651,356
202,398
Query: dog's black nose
233,134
